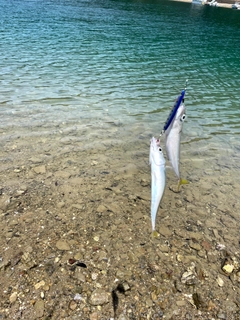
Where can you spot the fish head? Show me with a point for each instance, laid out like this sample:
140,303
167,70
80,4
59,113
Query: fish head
177,122
156,153
180,115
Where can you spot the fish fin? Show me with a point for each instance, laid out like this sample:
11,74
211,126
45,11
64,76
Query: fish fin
155,234
180,182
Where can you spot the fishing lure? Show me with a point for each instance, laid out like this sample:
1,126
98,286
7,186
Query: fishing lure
174,109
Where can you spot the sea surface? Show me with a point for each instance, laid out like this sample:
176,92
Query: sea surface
88,65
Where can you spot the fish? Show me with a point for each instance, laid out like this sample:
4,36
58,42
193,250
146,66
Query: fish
172,142
158,179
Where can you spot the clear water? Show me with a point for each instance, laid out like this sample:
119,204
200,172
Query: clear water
91,64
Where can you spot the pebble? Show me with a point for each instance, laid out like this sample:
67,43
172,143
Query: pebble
39,308
13,297
39,284
189,278
72,305
39,169
220,281
93,316
98,297
166,232
228,268
62,245
149,303
194,245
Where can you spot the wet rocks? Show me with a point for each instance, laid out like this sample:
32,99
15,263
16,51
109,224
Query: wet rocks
62,245
39,169
39,309
189,277
99,297
13,297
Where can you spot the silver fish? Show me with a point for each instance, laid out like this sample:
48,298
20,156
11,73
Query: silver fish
172,142
158,179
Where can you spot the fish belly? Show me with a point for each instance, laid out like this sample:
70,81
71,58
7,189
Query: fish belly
173,151
157,189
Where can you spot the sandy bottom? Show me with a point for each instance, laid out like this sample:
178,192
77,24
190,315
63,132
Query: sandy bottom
76,231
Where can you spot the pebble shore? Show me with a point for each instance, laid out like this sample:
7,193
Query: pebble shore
76,232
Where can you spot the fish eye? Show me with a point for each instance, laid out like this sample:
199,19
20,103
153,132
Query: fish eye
160,149
183,117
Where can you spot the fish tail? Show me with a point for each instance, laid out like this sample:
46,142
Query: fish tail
180,182
155,234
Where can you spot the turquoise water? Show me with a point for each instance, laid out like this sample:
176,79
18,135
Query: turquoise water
94,62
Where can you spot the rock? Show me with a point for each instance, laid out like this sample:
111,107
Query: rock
72,305
39,284
39,309
194,245
93,316
228,268
166,232
101,208
149,303
13,297
189,277
62,245
220,281
164,248
98,297
78,274
39,169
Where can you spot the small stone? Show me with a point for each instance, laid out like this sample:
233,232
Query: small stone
13,297
39,308
189,278
179,258
39,284
123,287
180,303
149,303
101,208
93,316
77,297
42,295
72,305
94,276
62,245
220,281
165,231
78,274
228,268
98,297
194,245
40,169
164,248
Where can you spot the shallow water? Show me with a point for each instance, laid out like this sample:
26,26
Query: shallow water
84,86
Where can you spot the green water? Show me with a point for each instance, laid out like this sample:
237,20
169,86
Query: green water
98,62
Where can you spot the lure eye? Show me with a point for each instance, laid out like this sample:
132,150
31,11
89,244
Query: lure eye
160,149
183,117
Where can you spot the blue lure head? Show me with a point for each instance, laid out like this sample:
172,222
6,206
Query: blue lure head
173,112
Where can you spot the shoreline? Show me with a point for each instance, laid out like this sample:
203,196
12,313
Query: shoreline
220,5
